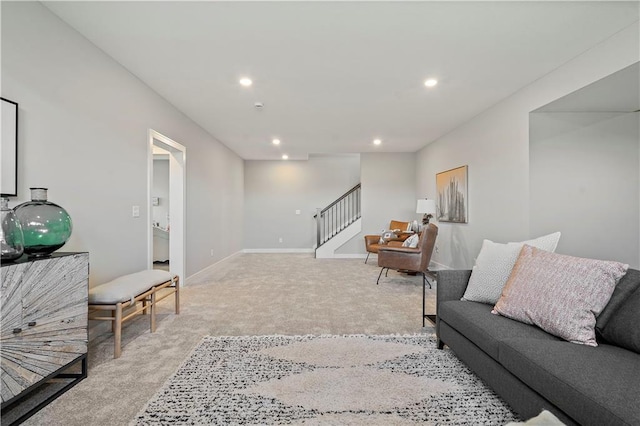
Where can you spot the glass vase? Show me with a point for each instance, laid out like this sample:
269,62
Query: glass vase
11,238
46,226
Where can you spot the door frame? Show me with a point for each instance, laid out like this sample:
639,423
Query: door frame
177,202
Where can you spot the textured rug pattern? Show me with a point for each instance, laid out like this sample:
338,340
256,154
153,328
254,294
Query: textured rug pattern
354,379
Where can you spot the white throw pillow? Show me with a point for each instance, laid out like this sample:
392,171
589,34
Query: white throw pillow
411,242
494,264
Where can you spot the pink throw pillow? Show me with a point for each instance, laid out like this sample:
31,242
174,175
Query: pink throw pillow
561,294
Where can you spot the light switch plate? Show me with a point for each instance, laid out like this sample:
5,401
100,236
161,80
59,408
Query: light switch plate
135,211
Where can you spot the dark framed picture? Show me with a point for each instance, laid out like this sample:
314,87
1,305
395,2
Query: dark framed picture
452,195
9,149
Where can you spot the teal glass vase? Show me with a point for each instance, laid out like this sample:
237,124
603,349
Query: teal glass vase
46,226
11,238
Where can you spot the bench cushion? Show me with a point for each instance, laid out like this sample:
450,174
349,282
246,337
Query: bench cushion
127,287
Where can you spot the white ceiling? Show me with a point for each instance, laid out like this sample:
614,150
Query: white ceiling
335,75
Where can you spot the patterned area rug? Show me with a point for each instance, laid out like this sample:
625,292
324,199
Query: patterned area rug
312,380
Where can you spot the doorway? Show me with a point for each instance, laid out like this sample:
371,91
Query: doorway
166,212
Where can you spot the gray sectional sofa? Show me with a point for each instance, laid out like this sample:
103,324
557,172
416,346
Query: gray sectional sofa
532,370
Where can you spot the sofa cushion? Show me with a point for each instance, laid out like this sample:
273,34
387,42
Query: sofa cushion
561,294
494,264
595,386
625,287
476,322
623,329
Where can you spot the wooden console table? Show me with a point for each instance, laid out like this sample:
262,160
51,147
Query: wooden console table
44,331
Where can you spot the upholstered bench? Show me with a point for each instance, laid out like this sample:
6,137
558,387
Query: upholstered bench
125,292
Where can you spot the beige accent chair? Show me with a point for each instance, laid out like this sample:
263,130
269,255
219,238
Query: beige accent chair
371,242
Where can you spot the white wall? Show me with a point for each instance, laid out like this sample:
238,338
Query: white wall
83,134
274,190
495,145
388,193
584,182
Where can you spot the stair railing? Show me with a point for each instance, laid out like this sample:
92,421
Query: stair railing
337,215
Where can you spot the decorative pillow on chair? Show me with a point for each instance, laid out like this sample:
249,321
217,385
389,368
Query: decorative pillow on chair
561,294
411,242
494,264
386,236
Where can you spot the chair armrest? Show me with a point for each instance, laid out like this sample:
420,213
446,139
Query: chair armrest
400,249
371,240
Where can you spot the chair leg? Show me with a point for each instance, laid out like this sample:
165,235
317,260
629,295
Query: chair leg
380,274
365,261
424,295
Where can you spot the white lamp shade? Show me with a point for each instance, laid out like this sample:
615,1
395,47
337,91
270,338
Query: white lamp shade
426,207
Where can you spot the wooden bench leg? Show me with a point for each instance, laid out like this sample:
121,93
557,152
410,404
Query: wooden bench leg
117,322
153,310
145,311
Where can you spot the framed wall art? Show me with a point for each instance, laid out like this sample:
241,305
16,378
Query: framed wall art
452,195
9,149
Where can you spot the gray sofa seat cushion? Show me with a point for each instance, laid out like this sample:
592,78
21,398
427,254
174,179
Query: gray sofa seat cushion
595,386
476,322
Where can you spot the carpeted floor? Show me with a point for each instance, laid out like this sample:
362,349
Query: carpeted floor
247,294
356,379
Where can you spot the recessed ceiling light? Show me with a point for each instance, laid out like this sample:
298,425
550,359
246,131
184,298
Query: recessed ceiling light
377,141
246,82
430,82
285,157
276,141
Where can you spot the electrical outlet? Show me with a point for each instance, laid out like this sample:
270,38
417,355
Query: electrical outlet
211,252
297,211
135,211
280,239
437,249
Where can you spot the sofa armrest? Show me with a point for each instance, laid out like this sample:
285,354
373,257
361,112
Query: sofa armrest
451,286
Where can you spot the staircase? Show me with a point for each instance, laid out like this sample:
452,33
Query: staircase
338,223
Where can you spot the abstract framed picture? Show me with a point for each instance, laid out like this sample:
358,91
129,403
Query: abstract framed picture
9,149
452,195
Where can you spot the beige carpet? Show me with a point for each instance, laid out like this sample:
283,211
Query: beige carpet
248,294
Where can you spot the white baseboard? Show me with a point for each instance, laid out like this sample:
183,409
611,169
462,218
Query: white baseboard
283,250
440,266
206,269
349,256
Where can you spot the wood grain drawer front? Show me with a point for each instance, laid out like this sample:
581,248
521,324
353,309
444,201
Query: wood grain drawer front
51,329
